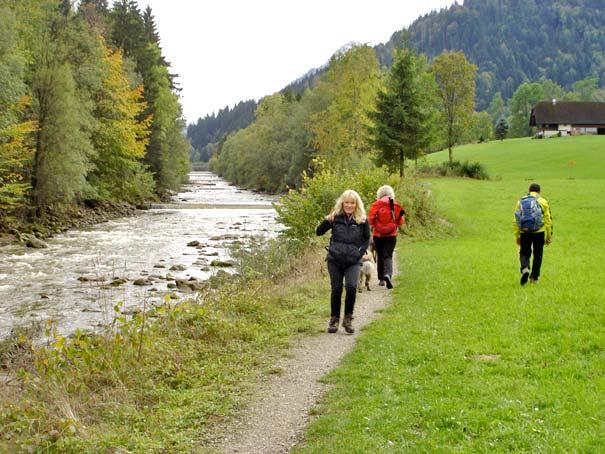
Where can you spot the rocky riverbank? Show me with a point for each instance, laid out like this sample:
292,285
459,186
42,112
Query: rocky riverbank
53,221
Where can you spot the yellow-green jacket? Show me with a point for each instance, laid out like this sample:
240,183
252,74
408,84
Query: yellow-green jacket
546,217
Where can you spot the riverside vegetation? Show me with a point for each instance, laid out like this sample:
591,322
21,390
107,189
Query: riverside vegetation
89,112
161,379
465,359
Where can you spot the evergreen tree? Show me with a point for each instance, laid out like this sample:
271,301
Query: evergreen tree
501,129
151,33
401,121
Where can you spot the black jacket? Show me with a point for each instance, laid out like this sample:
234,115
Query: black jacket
349,240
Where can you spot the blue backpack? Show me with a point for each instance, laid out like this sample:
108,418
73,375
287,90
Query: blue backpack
529,214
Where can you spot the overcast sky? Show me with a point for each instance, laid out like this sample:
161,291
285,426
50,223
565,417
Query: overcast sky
227,51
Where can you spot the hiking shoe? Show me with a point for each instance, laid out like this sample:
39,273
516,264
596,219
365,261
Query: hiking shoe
524,276
347,324
533,280
333,324
387,279
381,283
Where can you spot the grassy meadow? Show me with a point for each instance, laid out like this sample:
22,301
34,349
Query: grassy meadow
467,360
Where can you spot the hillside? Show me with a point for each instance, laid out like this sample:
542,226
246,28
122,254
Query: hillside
535,159
512,41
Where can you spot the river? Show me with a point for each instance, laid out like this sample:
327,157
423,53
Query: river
70,281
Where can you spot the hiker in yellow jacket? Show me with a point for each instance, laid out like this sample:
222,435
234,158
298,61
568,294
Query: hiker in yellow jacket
532,223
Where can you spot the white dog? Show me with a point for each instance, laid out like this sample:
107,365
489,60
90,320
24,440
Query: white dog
367,270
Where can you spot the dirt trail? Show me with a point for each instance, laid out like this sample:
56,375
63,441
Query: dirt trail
275,421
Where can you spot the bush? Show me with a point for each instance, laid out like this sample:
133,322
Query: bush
300,211
467,169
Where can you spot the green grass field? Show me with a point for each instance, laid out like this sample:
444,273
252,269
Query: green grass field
467,360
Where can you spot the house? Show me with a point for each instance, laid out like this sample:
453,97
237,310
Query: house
568,118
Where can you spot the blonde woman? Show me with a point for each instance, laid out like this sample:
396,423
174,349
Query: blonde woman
348,244
386,216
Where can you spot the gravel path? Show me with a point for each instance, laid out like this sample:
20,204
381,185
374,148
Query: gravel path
275,421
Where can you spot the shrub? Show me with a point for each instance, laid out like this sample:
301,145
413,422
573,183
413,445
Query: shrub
467,169
300,211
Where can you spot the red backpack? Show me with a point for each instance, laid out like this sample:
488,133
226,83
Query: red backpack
387,217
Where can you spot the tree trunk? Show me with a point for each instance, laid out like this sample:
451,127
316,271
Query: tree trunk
401,163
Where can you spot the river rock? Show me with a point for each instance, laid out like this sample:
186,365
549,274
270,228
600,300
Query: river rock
209,254
178,268
189,285
193,243
33,242
222,263
142,281
117,281
159,265
171,285
224,237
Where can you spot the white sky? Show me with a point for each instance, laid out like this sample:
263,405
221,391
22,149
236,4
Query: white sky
227,51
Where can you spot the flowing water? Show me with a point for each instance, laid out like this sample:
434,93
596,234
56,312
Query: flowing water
70,281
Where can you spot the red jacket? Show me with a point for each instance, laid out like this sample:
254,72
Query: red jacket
398,214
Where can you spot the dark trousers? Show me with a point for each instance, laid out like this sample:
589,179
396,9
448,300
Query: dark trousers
532,242
351,276
384,255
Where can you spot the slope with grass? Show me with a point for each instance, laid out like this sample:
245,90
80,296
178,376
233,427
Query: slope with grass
467,360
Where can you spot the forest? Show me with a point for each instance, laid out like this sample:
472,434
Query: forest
337,123
89,110
512,43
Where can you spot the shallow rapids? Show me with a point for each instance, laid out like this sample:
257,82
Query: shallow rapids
70,282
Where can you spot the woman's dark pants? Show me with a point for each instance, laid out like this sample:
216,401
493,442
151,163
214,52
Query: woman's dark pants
351,276
384,255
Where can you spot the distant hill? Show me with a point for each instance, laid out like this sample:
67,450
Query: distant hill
210,129
512,41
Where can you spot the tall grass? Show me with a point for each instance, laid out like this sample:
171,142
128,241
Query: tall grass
467,360
159,381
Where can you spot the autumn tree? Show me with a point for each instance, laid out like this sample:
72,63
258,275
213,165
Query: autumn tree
120,139
16,144
402,121
455,78
347,90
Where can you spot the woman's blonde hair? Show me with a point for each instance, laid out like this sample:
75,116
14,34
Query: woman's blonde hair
360,213
385,190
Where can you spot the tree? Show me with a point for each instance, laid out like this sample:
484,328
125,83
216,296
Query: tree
496,109
501,129
481,128
120,139
523,100
63,148
347,90
455,78
586,90
402,118
16,132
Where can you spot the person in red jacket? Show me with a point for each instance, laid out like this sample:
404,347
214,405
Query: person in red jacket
385,217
